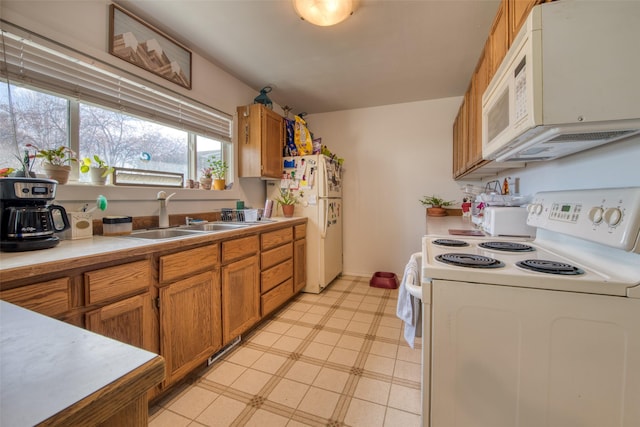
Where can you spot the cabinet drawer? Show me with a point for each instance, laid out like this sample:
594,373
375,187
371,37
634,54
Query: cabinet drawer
188,262
274,256
50,298
276,238
121,280
239,248
300,231
276,297
276,275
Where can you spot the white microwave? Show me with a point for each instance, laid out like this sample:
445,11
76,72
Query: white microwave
569,82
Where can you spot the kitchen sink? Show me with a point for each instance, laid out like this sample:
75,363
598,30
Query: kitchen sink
163,233
214,226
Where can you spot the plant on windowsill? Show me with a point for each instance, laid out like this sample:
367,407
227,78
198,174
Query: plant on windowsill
287,200
98,168
56,162
206,178
437,205
219,170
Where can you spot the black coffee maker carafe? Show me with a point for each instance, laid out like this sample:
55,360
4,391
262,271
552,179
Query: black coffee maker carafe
28,220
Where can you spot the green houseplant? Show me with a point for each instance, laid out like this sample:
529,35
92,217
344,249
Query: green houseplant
437,205
56,162
98,168
219,170
287,200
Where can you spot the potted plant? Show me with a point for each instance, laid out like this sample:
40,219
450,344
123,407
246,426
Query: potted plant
287,200
437,205
205,179
219,171
56,161
98,168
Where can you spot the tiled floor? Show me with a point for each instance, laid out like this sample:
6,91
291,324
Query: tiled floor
334,359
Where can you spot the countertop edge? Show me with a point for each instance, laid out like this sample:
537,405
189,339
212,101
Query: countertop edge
120,248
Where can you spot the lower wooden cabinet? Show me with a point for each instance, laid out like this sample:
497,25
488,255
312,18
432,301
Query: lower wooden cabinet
126,321
51,298
299,265
240,296
189,323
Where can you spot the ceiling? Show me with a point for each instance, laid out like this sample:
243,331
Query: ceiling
387,52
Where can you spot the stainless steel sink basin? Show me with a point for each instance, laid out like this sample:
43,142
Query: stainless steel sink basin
163,233
214,226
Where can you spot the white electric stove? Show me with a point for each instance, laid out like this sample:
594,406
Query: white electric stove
543,332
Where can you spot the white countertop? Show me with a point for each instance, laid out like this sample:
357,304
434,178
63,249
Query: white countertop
67,250
47,365
441,225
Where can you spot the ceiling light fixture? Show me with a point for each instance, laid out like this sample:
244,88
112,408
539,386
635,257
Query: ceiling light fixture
324,12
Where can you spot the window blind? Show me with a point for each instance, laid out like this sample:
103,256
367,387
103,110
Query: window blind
30,60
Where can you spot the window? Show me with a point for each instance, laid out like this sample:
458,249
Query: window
62,97
36,118
126,141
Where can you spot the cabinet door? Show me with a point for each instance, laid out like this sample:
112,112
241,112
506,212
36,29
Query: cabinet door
478,85
190,323
498,38
518,12
126,321
299,265
240,297
260,139
272,142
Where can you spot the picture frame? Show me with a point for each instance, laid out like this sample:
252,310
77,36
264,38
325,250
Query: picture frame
135,41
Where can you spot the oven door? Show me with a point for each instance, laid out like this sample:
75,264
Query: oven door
505,356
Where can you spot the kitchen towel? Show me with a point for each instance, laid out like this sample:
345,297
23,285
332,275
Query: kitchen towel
408,308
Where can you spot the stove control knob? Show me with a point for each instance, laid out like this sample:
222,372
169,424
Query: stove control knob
537,208
612,216
595,214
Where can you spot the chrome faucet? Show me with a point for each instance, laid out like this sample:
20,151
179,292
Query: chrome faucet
163,216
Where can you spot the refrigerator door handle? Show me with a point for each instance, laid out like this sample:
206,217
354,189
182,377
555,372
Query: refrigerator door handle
324,178
324,212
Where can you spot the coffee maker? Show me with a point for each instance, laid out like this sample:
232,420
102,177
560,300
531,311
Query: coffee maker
28,220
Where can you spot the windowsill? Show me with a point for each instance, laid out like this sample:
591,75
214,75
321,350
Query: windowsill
81,192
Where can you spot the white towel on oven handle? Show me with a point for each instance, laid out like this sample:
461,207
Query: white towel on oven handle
408,309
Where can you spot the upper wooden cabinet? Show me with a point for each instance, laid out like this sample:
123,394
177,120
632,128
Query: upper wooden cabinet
260,142
498,41
467,126
479,83
518,12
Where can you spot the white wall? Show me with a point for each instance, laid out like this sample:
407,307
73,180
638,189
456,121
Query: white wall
394,155
83,25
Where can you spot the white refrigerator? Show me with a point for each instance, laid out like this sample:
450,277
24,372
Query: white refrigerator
317,182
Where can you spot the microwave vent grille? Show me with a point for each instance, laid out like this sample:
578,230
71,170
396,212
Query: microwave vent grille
590,136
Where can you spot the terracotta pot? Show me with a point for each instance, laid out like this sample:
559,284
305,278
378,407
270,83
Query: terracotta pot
219,184
58,172
205,183
98,176
287,210
436,211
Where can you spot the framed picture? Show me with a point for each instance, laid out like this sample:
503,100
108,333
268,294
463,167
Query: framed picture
137,42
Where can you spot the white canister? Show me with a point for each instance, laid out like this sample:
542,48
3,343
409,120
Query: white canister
81,226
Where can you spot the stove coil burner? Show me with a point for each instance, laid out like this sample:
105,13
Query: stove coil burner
507,246
450,243
549,267
470,260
